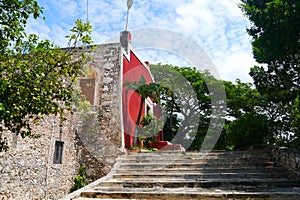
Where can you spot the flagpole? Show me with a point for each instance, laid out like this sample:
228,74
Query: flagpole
129,4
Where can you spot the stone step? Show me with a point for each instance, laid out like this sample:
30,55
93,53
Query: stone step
208,172
191,193
143,175
224,169
207,169
218,175
241,154
199,162
199,165
200,183
195,159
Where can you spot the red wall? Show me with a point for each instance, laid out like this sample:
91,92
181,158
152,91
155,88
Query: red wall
133,69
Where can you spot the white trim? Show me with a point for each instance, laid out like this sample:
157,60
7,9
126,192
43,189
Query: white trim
122,53
126,53
148,102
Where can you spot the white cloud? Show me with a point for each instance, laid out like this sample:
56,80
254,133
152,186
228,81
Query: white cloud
196,16
220,29
236,65
38,27
106,15
59,34
53,32
163,57
66,8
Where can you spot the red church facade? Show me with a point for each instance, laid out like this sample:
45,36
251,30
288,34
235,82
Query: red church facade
133,69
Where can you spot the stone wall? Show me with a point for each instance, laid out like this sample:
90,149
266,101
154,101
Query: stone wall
107,59
288,158
97,153
28,170
100,130
91,138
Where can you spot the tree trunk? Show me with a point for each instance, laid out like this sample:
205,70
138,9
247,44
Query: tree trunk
136,134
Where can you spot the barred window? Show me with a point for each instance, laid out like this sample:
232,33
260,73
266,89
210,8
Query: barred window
58,152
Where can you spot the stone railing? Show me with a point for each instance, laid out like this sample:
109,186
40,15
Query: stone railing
287,158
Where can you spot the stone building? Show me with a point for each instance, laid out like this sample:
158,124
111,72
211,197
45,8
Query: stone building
44,168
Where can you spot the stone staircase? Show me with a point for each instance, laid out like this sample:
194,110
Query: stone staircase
188,175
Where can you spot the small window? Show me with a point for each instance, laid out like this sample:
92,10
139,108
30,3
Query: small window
148,109
58,152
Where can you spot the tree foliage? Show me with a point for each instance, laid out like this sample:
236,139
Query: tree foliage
250,129
37,77
241,98
166,78
13,20
245,108
275,29
79,180
276,41
186,103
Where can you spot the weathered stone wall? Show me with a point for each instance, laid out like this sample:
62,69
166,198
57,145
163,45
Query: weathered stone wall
288,158
100,130
97,153
107,60
27,169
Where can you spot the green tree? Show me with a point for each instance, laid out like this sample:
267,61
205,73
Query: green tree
186,102
241,98
248,130
179,102
13,20
165,76
37,77
276,41
170,107
150,125
247,123
295,114
243,102
198,80
275,30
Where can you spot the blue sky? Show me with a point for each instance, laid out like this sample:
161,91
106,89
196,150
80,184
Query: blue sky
218,26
